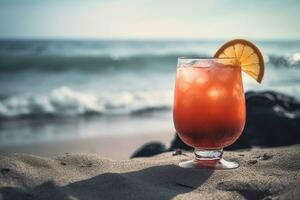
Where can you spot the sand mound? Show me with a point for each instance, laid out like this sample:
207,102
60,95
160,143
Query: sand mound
263,173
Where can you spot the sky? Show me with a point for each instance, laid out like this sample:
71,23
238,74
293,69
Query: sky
150,19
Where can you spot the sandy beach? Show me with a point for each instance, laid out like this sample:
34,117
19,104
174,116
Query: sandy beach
114,147
263,174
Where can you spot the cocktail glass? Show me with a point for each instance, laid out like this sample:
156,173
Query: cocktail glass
209,108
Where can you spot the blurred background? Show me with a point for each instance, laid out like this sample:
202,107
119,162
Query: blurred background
98,76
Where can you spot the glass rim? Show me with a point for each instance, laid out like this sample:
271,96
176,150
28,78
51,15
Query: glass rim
203,58
190,61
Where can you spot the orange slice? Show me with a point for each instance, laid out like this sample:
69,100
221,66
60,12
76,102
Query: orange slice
248,55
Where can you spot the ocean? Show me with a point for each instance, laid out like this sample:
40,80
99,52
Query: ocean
70,89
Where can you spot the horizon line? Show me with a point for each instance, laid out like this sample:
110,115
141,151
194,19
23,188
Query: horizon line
145,38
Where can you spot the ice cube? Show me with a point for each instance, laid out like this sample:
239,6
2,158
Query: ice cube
216,92
202,77
224,74
183,85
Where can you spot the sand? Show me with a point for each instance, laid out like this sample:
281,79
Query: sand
264,173
118,147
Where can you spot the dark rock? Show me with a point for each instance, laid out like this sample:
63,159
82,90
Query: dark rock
4,171
252,162
273,119
149,149
269,99
178,152
177,143
265,157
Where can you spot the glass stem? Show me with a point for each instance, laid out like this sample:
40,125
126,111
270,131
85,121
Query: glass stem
201,154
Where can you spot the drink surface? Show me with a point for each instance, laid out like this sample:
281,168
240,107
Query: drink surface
209,104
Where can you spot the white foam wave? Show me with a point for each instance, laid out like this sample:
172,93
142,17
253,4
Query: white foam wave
64,101
296,57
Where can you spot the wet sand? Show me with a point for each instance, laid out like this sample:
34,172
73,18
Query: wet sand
117,147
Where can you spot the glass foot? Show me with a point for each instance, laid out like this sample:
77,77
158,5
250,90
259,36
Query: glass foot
209,159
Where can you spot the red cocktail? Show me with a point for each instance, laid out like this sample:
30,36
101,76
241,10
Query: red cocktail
209,108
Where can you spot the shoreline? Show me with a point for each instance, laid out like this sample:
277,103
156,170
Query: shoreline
103,145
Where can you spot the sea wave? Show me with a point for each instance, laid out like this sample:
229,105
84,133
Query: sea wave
64,101
57,63
15,63
284,61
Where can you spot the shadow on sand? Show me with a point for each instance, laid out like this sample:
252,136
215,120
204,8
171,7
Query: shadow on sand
158,182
